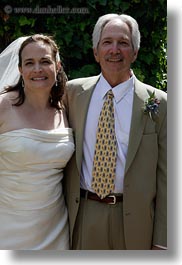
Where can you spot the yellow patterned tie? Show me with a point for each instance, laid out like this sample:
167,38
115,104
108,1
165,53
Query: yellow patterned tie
104,165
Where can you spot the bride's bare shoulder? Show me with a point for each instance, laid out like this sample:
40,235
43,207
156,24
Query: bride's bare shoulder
6,100
6,106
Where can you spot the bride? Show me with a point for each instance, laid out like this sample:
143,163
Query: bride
35,145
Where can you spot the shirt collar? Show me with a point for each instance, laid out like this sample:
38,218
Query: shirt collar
119,91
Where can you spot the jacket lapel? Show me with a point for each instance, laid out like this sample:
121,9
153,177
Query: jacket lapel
83,100
137,123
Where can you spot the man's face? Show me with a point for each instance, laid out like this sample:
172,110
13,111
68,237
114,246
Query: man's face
115,51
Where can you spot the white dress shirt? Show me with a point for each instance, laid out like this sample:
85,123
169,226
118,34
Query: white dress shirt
123,102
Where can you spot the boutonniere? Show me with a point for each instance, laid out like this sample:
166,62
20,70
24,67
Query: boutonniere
151,106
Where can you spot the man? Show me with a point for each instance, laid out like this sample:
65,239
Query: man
133,215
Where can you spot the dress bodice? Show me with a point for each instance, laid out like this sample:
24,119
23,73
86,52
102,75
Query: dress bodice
31,170
32,148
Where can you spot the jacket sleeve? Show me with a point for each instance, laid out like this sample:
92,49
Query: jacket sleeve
160,221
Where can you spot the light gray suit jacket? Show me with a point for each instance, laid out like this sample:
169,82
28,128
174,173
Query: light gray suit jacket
145,181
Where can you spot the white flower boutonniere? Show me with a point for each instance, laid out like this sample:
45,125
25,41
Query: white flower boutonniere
151,106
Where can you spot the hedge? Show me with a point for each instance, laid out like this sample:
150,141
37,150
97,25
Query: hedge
71,24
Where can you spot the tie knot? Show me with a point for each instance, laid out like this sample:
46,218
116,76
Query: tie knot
110,94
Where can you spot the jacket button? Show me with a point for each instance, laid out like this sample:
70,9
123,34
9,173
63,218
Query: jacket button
77,200
127,214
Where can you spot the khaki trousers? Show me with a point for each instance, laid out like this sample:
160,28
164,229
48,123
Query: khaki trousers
99,226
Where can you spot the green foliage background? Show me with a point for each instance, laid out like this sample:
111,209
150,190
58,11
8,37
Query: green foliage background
73,32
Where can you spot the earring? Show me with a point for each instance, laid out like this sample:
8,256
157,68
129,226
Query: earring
56,83
22,83
50,98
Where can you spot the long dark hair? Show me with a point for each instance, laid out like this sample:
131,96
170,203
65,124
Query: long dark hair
57,90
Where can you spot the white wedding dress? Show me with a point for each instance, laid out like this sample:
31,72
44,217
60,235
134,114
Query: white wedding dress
33,215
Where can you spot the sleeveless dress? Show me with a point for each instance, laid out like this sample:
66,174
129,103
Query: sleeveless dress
33,215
